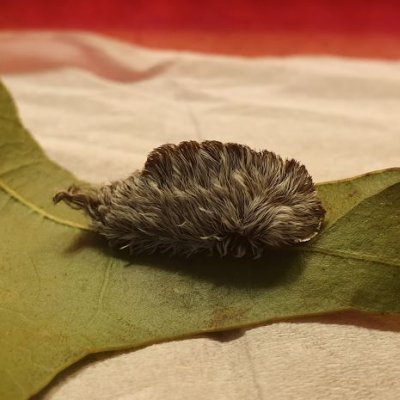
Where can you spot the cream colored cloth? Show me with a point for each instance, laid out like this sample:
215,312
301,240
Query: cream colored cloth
98,107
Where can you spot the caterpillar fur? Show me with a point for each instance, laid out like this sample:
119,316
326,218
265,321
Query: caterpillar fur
207,197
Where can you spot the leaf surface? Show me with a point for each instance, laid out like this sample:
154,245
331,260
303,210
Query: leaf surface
64,294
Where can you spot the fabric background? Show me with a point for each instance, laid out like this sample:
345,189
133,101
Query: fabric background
98,107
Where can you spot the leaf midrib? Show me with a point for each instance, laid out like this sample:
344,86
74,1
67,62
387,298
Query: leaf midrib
314,249
352,255
16,196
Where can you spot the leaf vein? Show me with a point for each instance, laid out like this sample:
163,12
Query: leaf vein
354,256
106,278
11,192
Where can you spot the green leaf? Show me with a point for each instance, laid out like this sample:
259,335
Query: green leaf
64,294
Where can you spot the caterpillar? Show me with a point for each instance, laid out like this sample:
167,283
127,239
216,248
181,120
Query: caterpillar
207,197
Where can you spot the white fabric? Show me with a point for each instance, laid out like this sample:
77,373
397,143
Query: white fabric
339,117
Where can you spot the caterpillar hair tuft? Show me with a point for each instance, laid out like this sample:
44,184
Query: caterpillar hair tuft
205,197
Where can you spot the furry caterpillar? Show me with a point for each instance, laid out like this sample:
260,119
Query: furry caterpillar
205,197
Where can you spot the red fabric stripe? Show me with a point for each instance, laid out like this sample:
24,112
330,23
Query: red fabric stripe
254,44
355,16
